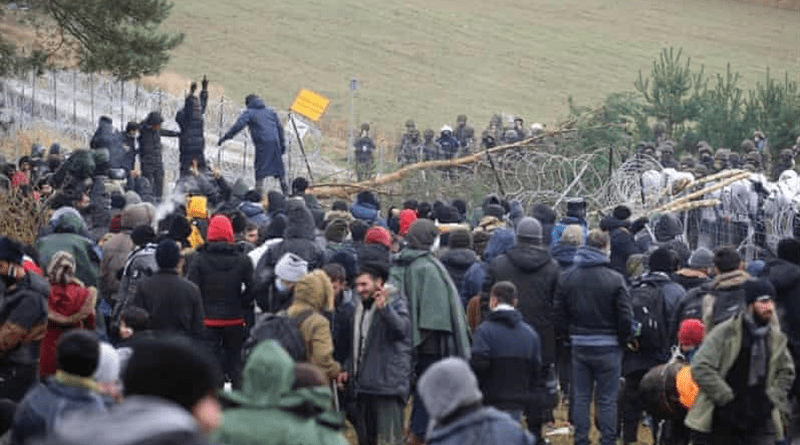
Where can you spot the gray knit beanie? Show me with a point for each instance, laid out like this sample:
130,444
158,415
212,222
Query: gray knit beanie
448,385
701,258
291,267
422,234
529,230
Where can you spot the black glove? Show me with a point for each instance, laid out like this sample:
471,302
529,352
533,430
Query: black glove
204,82
221,141
193,87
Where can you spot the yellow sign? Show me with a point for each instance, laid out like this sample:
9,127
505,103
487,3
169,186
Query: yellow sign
310,104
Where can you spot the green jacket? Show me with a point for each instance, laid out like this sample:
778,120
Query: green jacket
715,358
434,303
270,412
68,239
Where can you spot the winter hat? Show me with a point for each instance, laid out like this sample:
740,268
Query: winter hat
460,239
405,219
529,231
339,206
168,254
495,210
515,212
662,259
757,268
10,250
143,234
757,288
291,267
78,352
171,368
461,206
422,234
220,229
117,201
336,230
691,332
448,385
132,197
621,212
543,213
576,207
701,258
572,235
108,366
61,269
667,227
789,250
378,235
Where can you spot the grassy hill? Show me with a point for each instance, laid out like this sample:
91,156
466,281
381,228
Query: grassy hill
432,59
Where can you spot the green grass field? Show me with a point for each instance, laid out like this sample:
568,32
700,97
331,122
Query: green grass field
431,60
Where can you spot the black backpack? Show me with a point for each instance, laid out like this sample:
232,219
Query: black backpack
280,327
649,309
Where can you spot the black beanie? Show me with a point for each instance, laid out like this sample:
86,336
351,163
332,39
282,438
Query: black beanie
422,234
117,200
789,250
171,368
10,250
663,259
495,210
78,352
460,238
757,288
141,235
168,254
358,229
621,213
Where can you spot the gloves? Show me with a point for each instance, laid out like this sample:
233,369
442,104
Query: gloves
204,83
193,87
221,141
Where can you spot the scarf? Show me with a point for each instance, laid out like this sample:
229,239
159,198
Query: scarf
758,349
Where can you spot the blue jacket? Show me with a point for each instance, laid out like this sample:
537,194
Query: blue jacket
484,425
47,404
506,358
254,213
368,213
267,133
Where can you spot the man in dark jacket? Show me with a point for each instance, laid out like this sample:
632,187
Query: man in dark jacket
106,136
380,364
298,238
459,259
152,164
698,271
267,133
190,118
70,391
593,307
506,354
173,302
23,319
531,268
622,243
224,275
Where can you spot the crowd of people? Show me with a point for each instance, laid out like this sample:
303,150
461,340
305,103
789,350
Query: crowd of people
233,315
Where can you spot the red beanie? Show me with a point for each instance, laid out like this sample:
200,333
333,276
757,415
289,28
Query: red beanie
220,229
378,235
405,219
691,332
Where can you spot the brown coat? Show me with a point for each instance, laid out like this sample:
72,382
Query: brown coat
314,291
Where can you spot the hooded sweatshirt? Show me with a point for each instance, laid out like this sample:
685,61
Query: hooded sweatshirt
314,292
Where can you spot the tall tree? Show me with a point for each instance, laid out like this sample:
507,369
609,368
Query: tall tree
121,37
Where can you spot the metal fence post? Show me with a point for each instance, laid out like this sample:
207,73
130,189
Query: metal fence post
122,105
91,95
33,94
55,97
74,98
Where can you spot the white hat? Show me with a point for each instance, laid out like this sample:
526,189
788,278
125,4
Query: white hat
291,267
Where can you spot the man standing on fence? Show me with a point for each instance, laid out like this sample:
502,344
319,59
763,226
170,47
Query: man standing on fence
150,133
190,119
267,133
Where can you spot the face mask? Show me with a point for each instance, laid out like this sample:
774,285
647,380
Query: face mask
281,286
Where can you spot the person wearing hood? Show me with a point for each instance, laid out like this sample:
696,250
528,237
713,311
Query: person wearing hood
438,325
190,119
71,305
23,320
563,250
180,406
459,259
623,244
108,137
252,209
298,238
449,390
313,294
367,208
501,241
267,133
272,408
224,275
593,308
150,133
506,354
576,214
667,231
117,248
698,271
532,270
67,237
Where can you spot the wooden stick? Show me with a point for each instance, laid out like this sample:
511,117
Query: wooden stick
699,193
